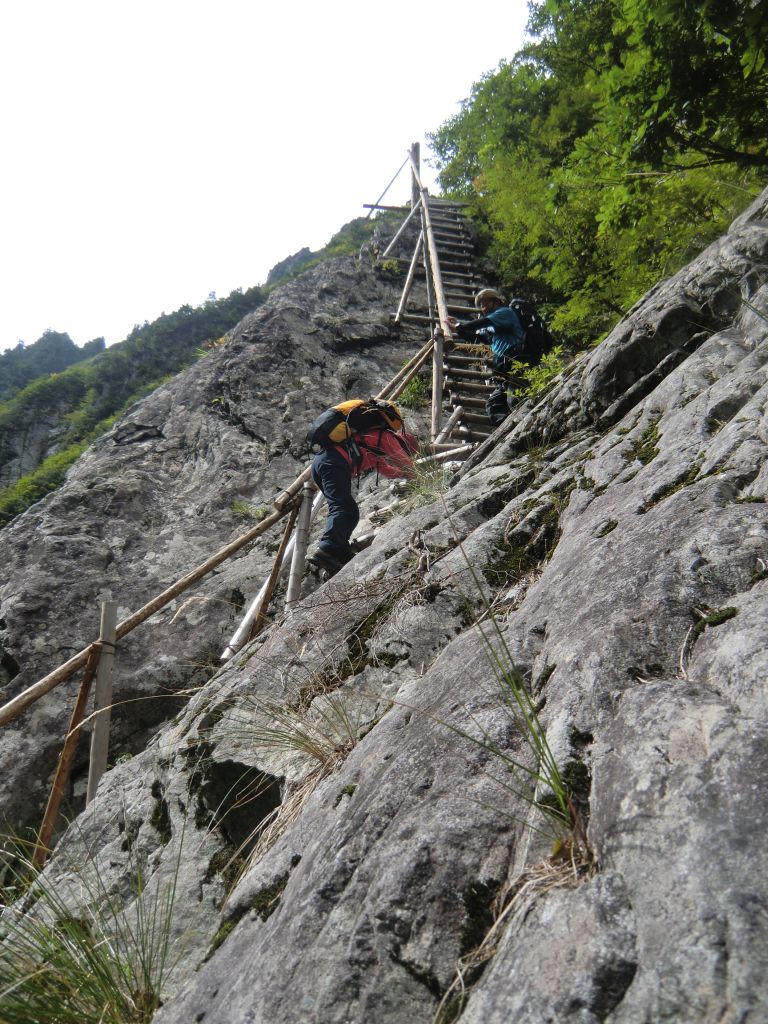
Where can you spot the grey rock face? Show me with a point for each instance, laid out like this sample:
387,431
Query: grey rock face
619,529
177,478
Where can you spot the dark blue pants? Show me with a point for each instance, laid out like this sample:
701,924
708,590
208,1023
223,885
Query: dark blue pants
332,475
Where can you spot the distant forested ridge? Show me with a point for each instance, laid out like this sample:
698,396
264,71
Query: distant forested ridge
613,147
72,395
51,353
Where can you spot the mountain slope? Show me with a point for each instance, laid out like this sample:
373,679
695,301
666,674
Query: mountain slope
619,529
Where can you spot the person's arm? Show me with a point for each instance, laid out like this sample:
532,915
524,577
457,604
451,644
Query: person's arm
470,327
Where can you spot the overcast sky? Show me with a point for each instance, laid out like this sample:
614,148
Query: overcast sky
155,152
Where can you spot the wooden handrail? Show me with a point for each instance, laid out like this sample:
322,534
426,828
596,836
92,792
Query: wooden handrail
284,501
22,701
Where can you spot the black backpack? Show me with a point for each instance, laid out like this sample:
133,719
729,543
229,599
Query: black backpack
537,341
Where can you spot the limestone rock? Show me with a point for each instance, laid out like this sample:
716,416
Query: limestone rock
617,529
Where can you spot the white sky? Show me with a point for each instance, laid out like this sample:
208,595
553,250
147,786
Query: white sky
159,150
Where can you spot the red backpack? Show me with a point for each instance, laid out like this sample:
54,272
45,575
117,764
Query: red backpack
390,454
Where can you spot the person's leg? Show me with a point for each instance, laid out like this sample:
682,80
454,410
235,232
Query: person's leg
334,479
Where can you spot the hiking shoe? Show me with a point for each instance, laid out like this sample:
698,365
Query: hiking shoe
325,561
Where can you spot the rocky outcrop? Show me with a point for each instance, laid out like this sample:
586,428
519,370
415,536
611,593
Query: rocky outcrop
184,472
608,546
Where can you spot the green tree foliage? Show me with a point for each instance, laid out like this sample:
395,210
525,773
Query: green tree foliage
614,146
83,400
51,353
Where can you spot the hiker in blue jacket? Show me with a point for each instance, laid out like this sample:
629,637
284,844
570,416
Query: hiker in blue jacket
500,328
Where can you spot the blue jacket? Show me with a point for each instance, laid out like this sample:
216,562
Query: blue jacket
501,329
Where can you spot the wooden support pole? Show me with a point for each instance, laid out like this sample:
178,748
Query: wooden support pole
299,557
374,206
415,158
102,698
400,230
451,422
242,631
409,278
401,378
274,576
66,759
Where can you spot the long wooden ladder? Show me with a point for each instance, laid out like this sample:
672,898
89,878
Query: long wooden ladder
466,381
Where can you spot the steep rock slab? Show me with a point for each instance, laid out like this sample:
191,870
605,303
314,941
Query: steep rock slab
626,559
160,493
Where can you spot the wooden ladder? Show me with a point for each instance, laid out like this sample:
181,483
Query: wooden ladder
466,378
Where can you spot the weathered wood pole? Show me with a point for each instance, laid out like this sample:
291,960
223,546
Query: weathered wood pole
415,183
409,279
102,698
269,588
66,759
299,557
400,230
450,423
242,631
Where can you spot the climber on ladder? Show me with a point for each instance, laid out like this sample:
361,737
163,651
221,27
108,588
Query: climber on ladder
351,439
516,334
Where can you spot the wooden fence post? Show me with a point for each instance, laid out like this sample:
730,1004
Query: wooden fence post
299,558
415,183
103,697
66,758
277,567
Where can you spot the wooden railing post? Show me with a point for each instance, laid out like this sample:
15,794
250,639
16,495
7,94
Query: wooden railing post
415,183
299,558
66,759
103,697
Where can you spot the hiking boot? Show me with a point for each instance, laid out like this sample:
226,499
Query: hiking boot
325,561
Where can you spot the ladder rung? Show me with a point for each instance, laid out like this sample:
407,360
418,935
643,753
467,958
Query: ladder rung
475,417
464,374
461,385
477,431
452,358
470,401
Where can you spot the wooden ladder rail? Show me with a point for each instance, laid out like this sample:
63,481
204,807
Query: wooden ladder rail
442,306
